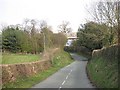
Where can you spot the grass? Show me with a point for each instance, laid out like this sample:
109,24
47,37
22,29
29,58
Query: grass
19,58
59,60
103,73
32,80
0,57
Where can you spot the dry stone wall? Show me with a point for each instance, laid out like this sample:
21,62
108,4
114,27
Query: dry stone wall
109,53
11,72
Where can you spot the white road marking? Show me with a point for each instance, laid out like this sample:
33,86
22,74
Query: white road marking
67,77
63,82
59,88
69,73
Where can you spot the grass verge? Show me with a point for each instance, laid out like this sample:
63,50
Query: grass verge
19,58
59,60
103,73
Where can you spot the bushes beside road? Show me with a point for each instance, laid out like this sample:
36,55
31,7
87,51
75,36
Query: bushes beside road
103,68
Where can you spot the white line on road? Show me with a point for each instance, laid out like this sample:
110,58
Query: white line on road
63,82
59,88
67,77
70,72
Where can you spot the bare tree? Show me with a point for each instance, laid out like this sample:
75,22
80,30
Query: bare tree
64,27
107,12
118,20
30,26
42,24
33,30
3,26
26,25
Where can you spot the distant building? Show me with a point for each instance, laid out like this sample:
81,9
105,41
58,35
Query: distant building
71,37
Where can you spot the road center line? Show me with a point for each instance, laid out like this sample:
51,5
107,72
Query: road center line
63,82
67,77
59,88
70,72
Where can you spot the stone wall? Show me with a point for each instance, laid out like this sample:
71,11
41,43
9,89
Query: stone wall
102,69
109,53
11,72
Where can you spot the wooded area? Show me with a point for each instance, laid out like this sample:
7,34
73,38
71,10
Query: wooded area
31,37
104,30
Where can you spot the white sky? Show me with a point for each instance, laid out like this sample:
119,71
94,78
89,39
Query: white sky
53,11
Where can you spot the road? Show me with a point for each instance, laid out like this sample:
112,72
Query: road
71,76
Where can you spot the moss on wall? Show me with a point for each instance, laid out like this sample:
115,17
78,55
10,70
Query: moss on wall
103,67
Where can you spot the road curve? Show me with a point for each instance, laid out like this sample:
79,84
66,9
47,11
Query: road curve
71,76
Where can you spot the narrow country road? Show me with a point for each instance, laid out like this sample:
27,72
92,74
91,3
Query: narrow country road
71,76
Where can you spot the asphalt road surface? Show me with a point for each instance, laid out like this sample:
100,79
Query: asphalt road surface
71,76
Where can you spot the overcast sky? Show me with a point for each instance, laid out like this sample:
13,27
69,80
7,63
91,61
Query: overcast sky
53,11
